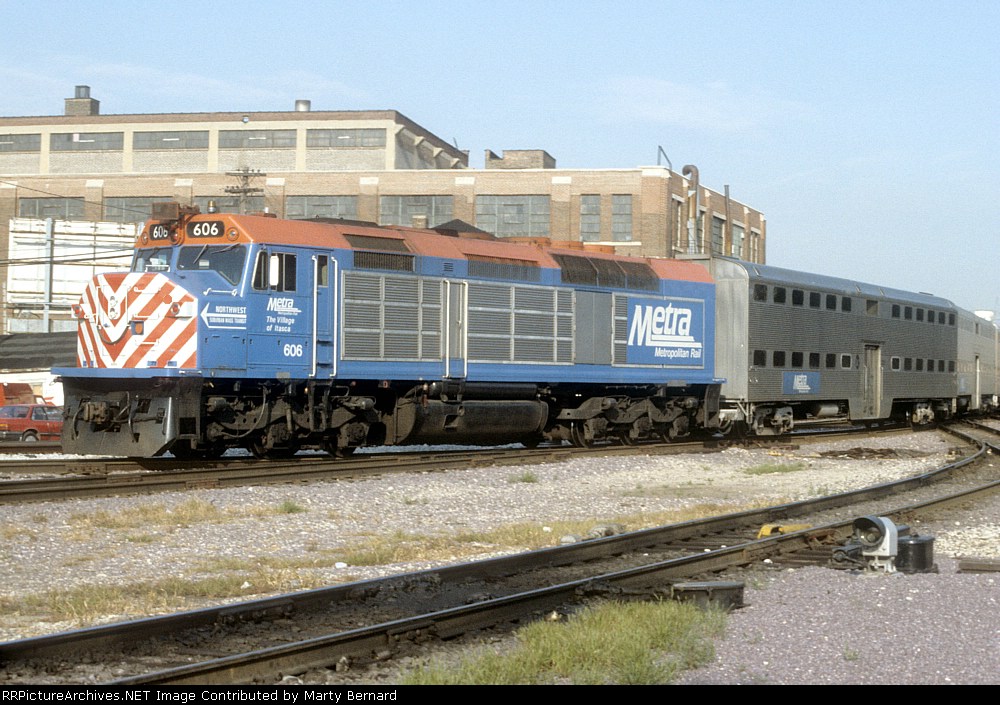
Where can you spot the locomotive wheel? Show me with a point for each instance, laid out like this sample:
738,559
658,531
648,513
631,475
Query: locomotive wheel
338,452
625,436
256,447
579,436
261,452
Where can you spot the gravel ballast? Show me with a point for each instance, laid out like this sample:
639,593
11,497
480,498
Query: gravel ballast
809,625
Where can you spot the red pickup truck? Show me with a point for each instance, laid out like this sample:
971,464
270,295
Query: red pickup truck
30,422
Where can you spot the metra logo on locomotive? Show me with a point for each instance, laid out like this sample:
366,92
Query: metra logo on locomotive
282,305
661,334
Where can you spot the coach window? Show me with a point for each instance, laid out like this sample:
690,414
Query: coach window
920,364
778,358
951,365
845,304
940,365
778,295
920,315
831,302
798,297
845,362
941,318
930,316
908,313
907,364
796,359
814,299
871,307
814,361
896,364
831,361
930,365
760,292
895,310
951,319
760,358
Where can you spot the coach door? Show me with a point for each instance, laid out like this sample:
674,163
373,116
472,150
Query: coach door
455,298
872,374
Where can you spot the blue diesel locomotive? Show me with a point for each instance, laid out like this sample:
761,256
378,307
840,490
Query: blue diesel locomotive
275,335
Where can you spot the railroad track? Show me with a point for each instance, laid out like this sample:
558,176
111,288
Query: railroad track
103,477
353,623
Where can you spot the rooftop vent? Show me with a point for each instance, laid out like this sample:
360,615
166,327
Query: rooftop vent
303,106
81,104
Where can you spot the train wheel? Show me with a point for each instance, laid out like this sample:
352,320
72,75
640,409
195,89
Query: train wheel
256,447
579,436
338,452
625,436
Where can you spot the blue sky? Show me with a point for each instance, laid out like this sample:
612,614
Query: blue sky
866,132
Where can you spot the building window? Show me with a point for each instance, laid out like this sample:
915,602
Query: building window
195,139
256,139
621,218
20,143
87,141
513,216
57,208
400,210
681,243
342,139
301,207
590,218
738,235
130,210
718,235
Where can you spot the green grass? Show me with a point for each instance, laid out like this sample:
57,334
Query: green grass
771,468
613,643
526,476
88,603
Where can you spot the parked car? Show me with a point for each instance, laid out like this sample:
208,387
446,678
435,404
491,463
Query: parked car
30,422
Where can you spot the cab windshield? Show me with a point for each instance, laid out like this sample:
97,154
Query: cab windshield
156,259
226,260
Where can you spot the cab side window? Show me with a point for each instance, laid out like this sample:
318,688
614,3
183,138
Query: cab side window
275,271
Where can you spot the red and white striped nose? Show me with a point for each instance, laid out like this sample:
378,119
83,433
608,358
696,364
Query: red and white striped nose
136,320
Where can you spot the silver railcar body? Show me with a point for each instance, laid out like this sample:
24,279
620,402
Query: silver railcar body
793,345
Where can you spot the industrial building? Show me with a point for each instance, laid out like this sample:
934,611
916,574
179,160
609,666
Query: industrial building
376,166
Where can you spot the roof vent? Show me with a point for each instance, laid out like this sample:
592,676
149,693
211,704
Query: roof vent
303,106
81,104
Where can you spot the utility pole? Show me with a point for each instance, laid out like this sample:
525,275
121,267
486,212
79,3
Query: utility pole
245,190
